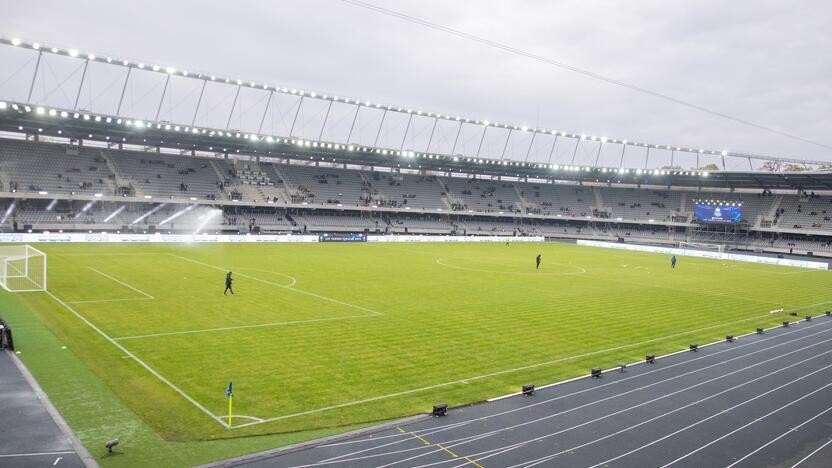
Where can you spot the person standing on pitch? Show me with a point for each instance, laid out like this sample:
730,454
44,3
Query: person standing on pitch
228,281
673,262
537,262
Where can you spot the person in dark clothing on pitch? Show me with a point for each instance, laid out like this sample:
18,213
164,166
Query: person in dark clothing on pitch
228,281
537,262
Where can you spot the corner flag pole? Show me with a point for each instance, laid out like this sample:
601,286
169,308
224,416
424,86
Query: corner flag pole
230,394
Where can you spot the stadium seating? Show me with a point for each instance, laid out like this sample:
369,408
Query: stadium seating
280,197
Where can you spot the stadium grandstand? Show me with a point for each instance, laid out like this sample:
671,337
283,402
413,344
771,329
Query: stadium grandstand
386,306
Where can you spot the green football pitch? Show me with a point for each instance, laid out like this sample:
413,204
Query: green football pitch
330,335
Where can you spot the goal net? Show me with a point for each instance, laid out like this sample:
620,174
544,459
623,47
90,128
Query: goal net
22,268
702,246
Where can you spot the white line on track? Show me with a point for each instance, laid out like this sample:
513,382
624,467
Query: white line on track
812,454
473,438
754,421
146,295
139,361
35,454
288,288
745,402
781,436
242,327
550,457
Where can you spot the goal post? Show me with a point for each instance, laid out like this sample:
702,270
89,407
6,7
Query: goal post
702,246
22,268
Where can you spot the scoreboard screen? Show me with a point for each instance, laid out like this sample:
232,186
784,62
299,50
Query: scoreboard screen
718,213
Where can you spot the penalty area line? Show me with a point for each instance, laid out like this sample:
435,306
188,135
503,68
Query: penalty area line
146,295
135,358
241,327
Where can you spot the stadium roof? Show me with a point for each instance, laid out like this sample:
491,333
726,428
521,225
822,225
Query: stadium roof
38,120
500,141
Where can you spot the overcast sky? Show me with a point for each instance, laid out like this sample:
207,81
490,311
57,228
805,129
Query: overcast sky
764,61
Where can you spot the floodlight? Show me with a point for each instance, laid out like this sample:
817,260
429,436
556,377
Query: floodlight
9,211
16,41
114,213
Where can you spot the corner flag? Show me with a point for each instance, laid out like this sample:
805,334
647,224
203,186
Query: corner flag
229,393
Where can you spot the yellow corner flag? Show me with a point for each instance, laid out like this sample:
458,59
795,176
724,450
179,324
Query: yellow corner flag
230,395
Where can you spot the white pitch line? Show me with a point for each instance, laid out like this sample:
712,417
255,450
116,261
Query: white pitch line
110,300
139,361
241,327
288,288
148,296
440,261
783,435
813,453
494,374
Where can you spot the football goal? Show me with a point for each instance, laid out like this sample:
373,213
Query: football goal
22,268
702,246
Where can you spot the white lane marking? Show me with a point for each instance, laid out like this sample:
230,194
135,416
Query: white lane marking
241,327
440,261
754,421
36,454
494,374
745,402
57,460
288,288
784,435
812,454
552,456
146,295
500,450
139,361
